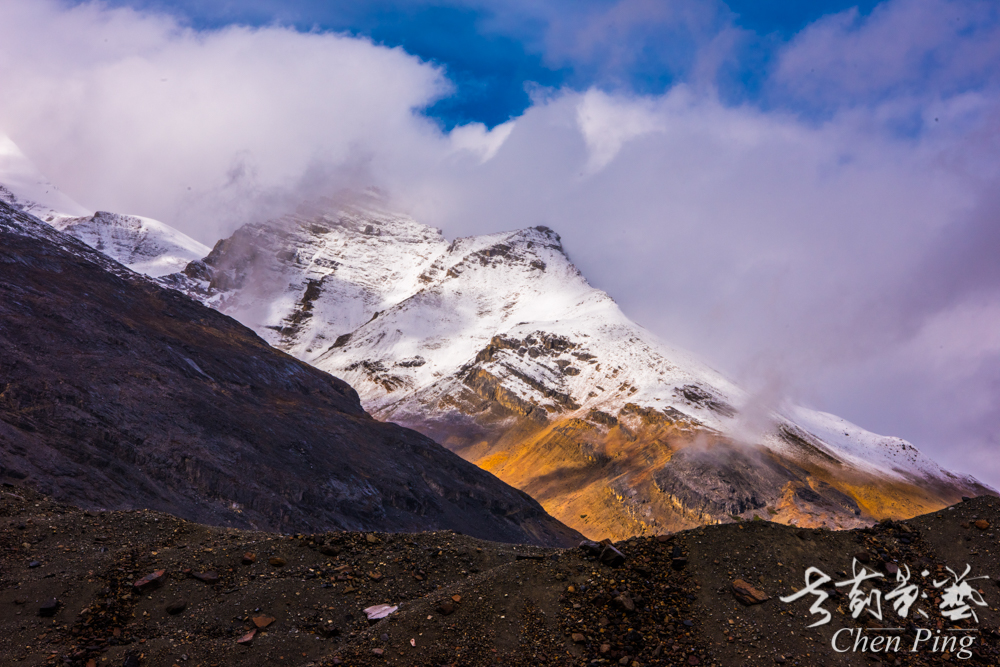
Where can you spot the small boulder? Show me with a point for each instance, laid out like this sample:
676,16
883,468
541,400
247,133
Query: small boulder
276,561
747,594
49,607
249,558
262,621
624,603
378,611
446,608
578,638
176,607
612,557
982,524
210,577
150,580
247,638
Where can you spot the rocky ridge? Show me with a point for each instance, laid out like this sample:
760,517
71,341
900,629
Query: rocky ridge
118,393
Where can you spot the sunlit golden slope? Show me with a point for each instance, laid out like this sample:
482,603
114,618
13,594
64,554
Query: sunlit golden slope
611,476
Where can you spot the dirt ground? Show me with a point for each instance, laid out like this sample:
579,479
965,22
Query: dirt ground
68,594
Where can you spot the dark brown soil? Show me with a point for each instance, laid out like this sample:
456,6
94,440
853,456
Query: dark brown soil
516,605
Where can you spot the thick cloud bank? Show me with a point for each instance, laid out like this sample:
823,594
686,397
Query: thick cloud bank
835,242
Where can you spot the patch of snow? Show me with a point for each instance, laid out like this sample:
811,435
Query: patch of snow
144,245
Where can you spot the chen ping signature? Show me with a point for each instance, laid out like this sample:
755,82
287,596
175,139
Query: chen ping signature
956,600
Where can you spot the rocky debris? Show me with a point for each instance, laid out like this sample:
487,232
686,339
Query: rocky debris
446,608
505,610
247,638
276,561
249,558
747,594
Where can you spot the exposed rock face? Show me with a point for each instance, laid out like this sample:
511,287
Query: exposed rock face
498,348
118,393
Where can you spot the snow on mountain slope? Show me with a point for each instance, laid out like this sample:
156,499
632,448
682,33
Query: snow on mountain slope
497,347
24,187
305,280
144,245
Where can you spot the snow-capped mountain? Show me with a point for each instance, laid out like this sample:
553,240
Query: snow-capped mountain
120,394
497,347
142,244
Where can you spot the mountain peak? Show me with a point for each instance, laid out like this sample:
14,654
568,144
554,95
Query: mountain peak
497,347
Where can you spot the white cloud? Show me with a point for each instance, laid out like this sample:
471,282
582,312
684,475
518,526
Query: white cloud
481,142
136,113
812,255
607,123
918,48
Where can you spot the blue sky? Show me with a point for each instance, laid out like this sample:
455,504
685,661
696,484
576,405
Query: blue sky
494,52
803,193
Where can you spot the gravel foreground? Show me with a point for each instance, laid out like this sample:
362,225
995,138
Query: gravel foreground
709,596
